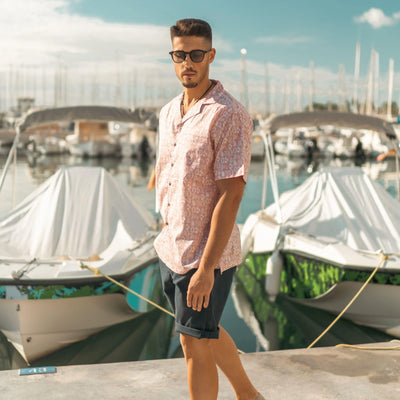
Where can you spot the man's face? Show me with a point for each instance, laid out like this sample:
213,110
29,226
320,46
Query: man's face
192,74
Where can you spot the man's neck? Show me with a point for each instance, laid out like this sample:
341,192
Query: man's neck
197,92
192,95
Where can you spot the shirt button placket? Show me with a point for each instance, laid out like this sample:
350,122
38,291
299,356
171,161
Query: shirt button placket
170,182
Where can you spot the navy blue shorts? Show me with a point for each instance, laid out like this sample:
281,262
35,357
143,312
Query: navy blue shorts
199,324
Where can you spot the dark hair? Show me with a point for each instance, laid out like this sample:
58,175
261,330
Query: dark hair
191,27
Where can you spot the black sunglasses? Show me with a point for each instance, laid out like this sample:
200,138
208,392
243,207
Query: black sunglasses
179,56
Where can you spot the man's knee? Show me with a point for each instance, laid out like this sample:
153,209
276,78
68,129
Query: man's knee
192,345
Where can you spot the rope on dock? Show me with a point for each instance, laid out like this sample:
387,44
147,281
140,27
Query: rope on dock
383,259
97,272
352,346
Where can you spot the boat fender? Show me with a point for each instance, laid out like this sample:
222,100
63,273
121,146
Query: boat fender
273,274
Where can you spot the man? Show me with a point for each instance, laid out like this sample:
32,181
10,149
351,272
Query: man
202,166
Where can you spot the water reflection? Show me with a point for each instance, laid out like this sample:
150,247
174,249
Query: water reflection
136,171
285,324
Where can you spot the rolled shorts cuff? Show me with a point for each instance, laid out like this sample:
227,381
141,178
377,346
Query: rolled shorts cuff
197,333
203,324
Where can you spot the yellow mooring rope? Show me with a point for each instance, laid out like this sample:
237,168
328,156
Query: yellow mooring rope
382,260
97,272
352,346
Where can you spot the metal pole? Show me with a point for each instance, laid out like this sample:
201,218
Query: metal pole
356,78
244,96
390,90
9,157
395,145
264,188
269,163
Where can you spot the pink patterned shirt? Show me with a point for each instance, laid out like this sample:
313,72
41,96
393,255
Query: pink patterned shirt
210,142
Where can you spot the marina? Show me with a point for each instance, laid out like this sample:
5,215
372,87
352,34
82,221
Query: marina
313,307
55,343
286,326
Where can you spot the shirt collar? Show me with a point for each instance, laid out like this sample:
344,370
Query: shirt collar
209,98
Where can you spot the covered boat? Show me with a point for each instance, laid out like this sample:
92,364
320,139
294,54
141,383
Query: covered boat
319,242
356,135
80,215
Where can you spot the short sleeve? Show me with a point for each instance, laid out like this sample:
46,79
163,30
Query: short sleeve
232,140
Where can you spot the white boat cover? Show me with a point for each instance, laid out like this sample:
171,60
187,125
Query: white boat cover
338,215
84,113
338,119
342,204
75,213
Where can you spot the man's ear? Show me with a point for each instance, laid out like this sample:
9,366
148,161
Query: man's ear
212,55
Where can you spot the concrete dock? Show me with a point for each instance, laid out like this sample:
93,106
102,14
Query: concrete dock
316,374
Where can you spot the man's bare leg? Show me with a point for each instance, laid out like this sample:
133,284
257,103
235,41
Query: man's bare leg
202,371
227,358
203,355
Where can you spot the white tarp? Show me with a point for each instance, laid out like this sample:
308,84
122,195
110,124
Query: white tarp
343,205
85,113
338,119
74,213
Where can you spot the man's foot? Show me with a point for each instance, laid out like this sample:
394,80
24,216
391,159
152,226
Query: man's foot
260,397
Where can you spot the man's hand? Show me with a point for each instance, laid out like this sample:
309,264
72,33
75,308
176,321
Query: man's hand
222,222
200,286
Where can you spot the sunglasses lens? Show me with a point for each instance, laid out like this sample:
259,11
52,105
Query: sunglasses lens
178,56
197,56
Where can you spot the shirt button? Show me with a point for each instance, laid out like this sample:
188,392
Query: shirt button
169,183
172,164
166,223
174,144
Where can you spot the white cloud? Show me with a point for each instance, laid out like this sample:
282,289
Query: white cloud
39,31
377,18
283,40
43,41
42,31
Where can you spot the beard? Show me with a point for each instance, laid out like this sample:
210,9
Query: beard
189,85
196,80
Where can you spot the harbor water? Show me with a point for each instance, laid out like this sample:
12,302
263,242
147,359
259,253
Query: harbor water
152,336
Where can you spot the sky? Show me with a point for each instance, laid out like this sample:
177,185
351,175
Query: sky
66,51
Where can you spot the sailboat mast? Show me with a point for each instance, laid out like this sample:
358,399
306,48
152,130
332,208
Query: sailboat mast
244,97
312,79
356,77
267,92
376,82
370,83
390,89
298,92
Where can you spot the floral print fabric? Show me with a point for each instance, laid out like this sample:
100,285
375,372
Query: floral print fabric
211,142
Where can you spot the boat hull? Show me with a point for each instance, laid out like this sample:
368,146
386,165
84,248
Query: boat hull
376,306
94,149
330,288
39,327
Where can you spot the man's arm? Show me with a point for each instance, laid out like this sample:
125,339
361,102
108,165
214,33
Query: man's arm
222,222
